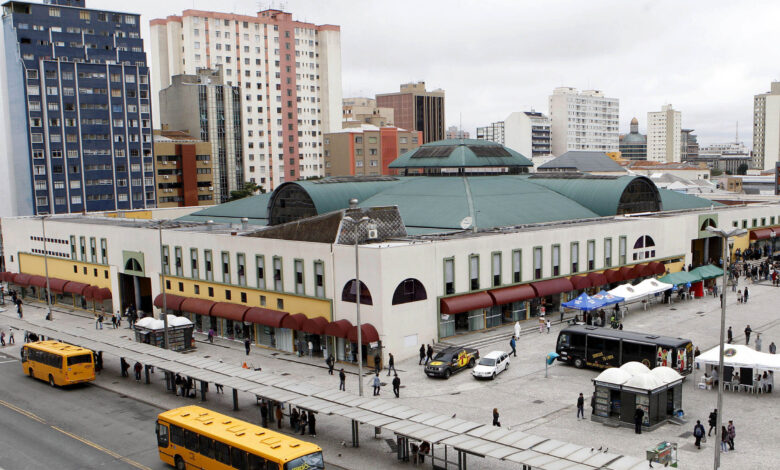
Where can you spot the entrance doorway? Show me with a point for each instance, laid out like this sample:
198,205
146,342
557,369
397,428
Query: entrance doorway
135,290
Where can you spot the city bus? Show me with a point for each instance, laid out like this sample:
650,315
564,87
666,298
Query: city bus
601,348
58,363
195,437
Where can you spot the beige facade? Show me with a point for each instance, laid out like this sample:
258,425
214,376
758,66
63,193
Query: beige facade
415,108
184,170
766,128
366,151
357,111
664,130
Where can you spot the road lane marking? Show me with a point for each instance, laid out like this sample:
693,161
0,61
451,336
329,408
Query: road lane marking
109,452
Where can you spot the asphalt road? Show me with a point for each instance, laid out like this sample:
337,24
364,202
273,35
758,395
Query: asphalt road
84,427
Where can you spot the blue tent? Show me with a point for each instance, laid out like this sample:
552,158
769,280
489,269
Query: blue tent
583,302
604,298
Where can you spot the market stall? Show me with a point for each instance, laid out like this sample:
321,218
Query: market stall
150,330
742,363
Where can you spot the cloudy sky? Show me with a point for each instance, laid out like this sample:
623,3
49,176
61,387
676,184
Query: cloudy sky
492,57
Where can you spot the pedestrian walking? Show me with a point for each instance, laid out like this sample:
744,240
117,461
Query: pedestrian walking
19,308
422,354
698,433
377,363
99,321
311,349
724,439
772,347
513,345
548,324
312,424
580,406
496,422
11,337
211,335
428,354
246,345
377,384
732,433
264,414
748,330
758,342
639,415
730,335
330,361
2,338
342,378
295,417
745,295
279,415
397,386
219,388
517,329
391,364
137,368
304,421
713,421
125,366
113,321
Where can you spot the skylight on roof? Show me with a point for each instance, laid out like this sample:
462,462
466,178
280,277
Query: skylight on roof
437,151
489,151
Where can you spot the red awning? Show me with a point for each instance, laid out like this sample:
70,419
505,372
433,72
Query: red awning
57,285
464,303
5,276
265,316
552,286
74,287
338,328
507,295
597,279
294,322
368,334
88,292
315,326
101,294
761,234
643,270
613,275
22,279
229,311
628,273
172,301
581,282
199,306
657,267
38,281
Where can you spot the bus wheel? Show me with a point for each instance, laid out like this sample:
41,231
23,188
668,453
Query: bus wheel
180,465
579,363
51,380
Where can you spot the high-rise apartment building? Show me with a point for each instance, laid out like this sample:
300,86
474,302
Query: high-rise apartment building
766,128
664,134
689,145
586,120
527,132
207,108
367,150
633,146
416,109
288,73
77,126
359,111
184,170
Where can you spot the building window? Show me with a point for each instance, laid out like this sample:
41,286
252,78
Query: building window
194,263
517,259
166,261
607,252
226,267
538,262
72,247
299,288
474,272
622,251
319,279
278,285
241,266
591,255
449,276
260,261
409,290
209,267
575,257
349,293
496,265
103,251
556,260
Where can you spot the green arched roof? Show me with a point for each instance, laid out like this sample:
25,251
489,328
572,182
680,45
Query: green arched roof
460,153
599,194
332,194
255,208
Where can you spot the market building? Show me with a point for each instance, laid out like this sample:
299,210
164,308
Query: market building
471,243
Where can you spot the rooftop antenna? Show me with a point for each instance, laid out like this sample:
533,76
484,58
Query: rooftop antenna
460,127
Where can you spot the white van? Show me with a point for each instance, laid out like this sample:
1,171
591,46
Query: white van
490,365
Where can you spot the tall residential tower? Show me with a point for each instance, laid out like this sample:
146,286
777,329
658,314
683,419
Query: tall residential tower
663,135
586,120
766,128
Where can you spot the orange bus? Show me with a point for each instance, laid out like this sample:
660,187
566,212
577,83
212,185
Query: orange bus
192,437
59,363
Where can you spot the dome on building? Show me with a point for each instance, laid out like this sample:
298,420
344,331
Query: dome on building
614,375
634,122
635,368
460,154
632,138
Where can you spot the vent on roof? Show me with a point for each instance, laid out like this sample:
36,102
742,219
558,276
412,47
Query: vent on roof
437,151
489,151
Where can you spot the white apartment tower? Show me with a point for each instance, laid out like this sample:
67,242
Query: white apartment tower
766,128
289,74
663,135
527,132
585,120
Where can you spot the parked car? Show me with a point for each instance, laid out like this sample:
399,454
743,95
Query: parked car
451,360
492,364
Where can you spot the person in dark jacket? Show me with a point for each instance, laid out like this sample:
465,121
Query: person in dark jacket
580,406
125,366
513,345
422,354
730,335
377,363
330,361
390,364
137,368
429,354
304,421
294,419
748,330
264,414
312,424
698,433
639,415
495,418
397,386
246,345
712,421
342,378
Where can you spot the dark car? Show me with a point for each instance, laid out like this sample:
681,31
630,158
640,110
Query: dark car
451,360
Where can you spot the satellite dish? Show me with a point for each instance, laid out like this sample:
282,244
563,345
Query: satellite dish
466,223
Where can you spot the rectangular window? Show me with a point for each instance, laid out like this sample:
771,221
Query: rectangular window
209,267
278,285
103,251
575,257
517,259
226,267
496,258
260,262
449,276
538,262
178,261
607,252
194,263
241,266
591,255
474,272
556,260
622,251
319,279
93,249
72,247
166,259
83,246
299,287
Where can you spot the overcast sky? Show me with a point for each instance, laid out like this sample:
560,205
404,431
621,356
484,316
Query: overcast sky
492,57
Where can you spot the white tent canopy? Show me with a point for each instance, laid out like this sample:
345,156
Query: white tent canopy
640,291
155,324
737,355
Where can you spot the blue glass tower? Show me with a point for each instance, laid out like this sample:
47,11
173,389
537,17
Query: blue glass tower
77,110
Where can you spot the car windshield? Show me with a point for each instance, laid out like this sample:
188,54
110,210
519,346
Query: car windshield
309,462
487,362
442,356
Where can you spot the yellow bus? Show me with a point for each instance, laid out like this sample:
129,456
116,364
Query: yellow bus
59,363
192,437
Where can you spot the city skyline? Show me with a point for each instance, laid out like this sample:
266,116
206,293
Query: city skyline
710,77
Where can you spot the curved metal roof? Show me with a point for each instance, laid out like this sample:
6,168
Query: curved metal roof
461,153
599,194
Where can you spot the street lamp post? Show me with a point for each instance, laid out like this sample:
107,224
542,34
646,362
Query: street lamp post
356,224
46,269
724,235
162,285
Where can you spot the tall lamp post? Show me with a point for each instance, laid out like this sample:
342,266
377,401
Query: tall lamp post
162,285
46,269
724,235
356,224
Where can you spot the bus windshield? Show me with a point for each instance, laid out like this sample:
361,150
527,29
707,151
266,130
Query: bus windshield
80,359
312,461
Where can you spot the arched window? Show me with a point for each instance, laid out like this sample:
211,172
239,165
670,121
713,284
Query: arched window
645,248
410,290
133,265
708,223
349,294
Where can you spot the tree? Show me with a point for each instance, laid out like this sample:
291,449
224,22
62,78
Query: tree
716,172
742,169
249,189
